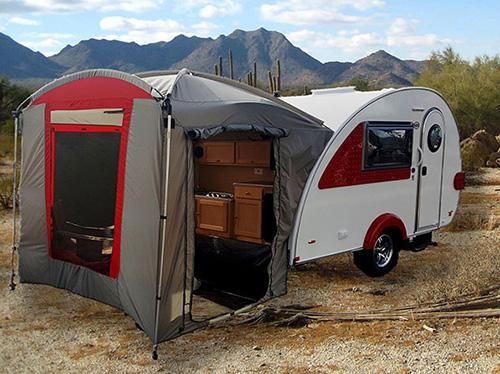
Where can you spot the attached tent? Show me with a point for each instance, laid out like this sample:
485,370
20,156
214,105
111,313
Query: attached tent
107,185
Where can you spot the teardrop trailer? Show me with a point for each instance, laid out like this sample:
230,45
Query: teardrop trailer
136,189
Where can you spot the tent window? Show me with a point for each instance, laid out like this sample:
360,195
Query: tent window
85,173
388,146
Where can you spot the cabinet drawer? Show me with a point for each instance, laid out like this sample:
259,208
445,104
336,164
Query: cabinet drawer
248,192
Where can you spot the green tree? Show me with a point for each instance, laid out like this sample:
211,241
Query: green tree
10,97
472,89
361,84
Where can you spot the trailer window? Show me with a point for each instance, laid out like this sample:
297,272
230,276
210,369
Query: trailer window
388,146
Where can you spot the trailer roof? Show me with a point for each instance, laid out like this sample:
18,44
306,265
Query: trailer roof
334,105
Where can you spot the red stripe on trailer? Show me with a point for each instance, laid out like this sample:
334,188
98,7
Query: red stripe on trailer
382,223
90,93
346,166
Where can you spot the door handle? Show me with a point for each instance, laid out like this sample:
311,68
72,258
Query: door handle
420,156
424,171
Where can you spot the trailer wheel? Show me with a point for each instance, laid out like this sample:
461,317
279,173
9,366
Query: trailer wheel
381,259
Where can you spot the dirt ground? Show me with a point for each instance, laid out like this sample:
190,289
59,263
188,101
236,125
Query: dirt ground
43,329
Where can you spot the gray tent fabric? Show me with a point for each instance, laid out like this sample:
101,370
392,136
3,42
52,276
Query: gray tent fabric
200,102
202,107
295,157
141,214
33,235
174,269
216,88
35,264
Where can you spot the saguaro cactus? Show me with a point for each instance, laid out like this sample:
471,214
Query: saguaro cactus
270,81
278,76
231,66
255,74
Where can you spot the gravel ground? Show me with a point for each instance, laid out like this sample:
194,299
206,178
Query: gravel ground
43,329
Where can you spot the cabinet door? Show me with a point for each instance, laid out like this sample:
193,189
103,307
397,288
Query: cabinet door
213,215
257,153
248,218
218,153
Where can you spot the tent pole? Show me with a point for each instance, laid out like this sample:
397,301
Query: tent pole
163,224
12,284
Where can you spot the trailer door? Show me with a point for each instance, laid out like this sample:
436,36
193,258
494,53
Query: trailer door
430,171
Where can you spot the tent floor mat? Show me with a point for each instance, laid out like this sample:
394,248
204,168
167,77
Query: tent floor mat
208,303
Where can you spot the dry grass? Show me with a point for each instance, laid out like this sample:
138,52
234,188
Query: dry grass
52,330
469,271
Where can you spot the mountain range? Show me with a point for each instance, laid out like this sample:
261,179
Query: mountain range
264,47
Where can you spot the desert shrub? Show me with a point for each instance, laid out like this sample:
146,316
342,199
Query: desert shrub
472,89
6,193
6,146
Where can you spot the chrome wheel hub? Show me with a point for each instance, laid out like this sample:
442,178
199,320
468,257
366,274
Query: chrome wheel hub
383,251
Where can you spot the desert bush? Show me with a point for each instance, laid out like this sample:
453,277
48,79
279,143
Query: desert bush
6,146
471,89
6,193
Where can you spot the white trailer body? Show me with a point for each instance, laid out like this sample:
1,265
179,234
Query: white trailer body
365,183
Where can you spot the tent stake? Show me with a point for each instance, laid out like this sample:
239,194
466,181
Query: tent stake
154,354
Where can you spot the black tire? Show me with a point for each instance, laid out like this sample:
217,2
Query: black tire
382,259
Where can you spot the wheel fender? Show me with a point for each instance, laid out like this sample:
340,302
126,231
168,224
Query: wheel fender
382,223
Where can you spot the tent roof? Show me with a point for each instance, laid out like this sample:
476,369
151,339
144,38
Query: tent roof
204,101
334,105
208,102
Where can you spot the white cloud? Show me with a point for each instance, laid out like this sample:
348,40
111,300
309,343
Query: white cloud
23,21
212,8
141,31
48,43
400,34
205,28
123,23
401,26
415,40
403,33
67,6
299,12
347,43
47,46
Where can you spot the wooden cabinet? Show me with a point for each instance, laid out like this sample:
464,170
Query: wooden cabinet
248,220
213,216
253,153
218,153
249,210
241,152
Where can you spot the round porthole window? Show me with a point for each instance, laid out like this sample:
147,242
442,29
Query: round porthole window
434,138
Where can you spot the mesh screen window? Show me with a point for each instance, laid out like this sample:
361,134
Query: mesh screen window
84,187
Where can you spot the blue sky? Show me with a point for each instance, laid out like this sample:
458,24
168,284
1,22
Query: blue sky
330,30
